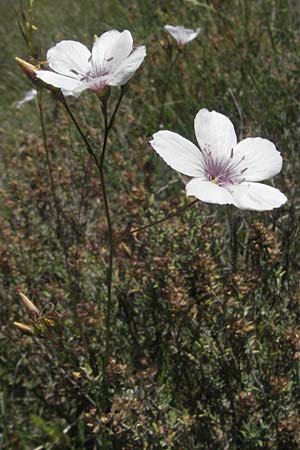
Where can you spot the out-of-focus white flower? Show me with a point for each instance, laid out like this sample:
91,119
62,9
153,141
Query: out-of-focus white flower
223,171
29,95
112,62
182,35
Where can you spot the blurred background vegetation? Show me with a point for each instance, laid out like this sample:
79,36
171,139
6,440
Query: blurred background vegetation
206,306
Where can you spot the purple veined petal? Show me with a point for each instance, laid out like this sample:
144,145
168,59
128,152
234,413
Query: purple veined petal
57,80
259,159
208,192
109,50
179,153
215,133
256,196
127,68
69,58
96,84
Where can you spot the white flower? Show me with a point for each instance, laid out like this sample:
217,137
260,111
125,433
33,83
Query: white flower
29,95
181,34
223,171
112,62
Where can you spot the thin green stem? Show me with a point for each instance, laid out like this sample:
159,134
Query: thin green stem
112,119
49,166
166,87
110,240
82,135
107,127
108,124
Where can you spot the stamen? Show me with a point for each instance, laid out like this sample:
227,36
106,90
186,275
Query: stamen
223,171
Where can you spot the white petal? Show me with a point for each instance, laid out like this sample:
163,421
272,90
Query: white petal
260,161
191,34
256,196
174,31
181,34
59,81
208,192
179,153
109,50
215,132
127,68
29,95
79,89
69,58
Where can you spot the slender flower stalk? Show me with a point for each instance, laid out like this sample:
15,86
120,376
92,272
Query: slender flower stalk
49,165
182,36
99,162
110,239
172,63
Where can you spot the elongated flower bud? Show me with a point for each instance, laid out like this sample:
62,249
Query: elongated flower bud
24,328
29,306
29,69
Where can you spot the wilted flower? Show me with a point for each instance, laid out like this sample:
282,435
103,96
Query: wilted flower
29,95
112,62
182,35
223,171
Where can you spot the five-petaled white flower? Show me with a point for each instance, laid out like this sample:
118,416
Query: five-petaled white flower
112,62
182,35
223,171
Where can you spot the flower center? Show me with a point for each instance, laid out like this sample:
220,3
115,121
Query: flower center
223,171
96,82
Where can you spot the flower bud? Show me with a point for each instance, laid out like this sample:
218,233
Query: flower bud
29,70
29,306
24,328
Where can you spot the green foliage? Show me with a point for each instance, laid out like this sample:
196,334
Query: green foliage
206,305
